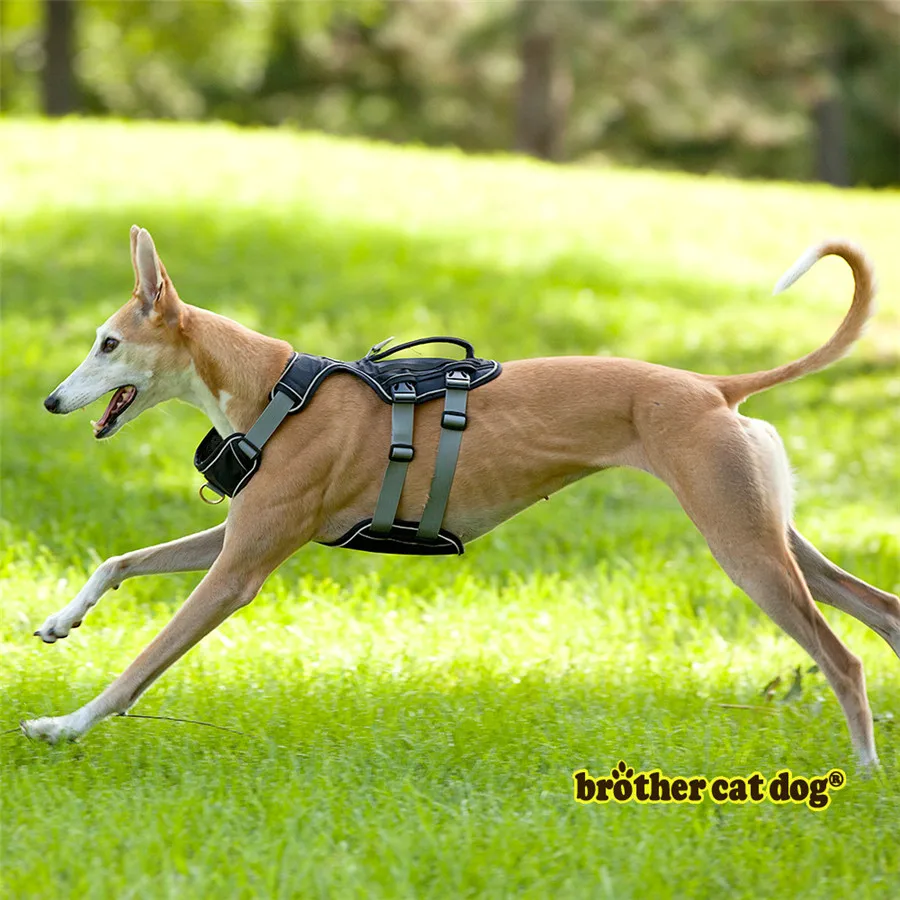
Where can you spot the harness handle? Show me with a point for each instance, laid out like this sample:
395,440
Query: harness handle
459,342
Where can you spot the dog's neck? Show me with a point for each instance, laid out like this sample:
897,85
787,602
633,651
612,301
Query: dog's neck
234,368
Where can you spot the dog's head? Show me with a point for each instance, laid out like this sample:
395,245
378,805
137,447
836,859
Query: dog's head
139,353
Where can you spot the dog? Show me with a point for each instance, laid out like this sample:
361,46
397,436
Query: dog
563,418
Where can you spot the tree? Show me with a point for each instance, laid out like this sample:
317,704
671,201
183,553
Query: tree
832,161
796,90
58,75
538,119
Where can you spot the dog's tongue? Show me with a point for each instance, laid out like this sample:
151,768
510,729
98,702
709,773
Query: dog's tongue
115,403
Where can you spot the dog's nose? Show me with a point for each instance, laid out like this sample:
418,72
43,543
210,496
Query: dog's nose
51,404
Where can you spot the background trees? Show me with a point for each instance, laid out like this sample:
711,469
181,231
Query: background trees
800,90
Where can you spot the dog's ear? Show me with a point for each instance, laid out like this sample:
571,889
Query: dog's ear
135,231
153,288
147,274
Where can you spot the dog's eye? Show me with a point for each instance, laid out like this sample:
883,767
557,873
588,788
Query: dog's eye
109,345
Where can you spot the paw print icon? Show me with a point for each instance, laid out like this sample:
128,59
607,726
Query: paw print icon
622,785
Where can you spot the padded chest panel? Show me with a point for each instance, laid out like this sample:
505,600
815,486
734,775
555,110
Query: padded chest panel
305,373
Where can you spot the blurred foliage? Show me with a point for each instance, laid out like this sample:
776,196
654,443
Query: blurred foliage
728,87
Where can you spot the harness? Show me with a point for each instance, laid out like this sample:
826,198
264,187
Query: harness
229,463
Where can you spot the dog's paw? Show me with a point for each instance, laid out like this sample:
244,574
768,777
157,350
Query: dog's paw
49,730
59,625
868,768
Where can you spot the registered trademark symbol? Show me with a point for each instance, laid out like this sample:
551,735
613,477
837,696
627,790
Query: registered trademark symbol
836,778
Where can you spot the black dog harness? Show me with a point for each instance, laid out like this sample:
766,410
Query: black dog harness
229,463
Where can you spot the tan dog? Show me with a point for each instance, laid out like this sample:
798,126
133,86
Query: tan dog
563,418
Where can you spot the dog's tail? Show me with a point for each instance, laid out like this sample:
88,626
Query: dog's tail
736,388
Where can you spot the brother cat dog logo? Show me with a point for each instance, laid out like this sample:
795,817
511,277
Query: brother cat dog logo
623,786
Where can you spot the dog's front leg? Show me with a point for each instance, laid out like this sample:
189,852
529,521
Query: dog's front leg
226,588
259,536
188,554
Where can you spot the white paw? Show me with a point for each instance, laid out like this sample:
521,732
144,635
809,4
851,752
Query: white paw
869,766
49,730
60,624
71,615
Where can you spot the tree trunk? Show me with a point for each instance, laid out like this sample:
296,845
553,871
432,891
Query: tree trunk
832,159
539,113
59,50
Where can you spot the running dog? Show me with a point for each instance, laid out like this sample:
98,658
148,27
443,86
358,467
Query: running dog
541,425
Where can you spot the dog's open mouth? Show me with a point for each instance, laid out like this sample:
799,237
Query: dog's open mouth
122,398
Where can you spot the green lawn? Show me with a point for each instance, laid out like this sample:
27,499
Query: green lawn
411,726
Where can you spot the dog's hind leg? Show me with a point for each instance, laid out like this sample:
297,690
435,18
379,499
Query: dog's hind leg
739,498
832,585
193,553
770,576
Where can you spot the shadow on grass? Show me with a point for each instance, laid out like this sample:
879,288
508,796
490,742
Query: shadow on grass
349,285
455,726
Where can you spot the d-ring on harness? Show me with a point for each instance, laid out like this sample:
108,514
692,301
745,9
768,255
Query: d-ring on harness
229,463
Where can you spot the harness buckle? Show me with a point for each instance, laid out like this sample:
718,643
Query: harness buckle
249,449
404,392
402,453
458,379
454,421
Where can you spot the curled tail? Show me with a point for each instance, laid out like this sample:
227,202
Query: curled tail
736,388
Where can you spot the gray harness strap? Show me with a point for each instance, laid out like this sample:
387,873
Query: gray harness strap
453,423
264,427
403,405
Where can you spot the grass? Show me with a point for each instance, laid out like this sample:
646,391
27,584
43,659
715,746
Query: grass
411,726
